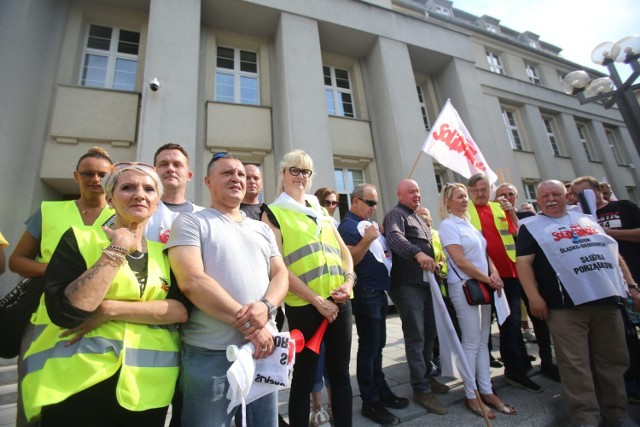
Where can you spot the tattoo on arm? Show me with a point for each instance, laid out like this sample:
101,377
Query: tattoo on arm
81,281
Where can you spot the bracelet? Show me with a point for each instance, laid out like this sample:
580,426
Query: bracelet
350,275
633,286
116,257
120,249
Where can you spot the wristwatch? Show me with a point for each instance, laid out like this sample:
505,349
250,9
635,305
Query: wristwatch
270,308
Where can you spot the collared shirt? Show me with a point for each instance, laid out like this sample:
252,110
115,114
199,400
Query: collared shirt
407,234
371,272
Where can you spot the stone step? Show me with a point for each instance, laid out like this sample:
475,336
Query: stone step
8,362
8,393
8,374
8,415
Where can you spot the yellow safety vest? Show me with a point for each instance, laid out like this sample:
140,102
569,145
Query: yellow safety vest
315,259
502,224
147,356
57,218
438,255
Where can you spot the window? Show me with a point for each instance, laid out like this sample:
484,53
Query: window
614,143
495,65
423,108
532,73
587,142
110,58
531,193
443,10
512,129
492,28
337,92
440,181
633,195
237,76
550,127
346,181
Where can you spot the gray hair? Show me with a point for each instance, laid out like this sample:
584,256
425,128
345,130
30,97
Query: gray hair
358,192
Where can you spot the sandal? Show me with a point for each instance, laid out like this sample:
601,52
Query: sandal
478,412
501,407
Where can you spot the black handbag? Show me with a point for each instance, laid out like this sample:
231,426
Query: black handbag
476,292
16,309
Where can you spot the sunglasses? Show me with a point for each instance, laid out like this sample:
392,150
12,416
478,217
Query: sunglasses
221,155
90,174
330,203
370,203
306,173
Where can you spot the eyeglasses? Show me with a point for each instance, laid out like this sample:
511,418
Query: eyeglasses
306,173
91,174
370,203
330,202
221,155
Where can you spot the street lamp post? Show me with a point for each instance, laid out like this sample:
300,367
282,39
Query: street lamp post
612,90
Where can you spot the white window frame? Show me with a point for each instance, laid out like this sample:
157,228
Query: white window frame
492,28
551,129
336,105
443,10
423,107
530,188
510,120
238,76
587,142
345,184
616,147
495,63
532,73
112,56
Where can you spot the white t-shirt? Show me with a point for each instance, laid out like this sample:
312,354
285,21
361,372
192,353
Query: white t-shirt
457,231
234,254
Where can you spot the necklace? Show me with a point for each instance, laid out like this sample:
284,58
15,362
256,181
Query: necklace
130,255
83,211
574,237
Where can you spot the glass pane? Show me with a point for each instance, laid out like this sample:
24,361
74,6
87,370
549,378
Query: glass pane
248,62
355,177
94,72
327,75
331,106
124,77
99,37
342,79
248,90
224,87
225,58
346,105
340,187
129,42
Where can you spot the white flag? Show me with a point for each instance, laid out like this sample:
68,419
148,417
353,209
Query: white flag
451,144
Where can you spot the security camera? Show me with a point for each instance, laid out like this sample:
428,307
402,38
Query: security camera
154,84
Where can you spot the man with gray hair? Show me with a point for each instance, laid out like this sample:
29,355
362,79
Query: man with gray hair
372,263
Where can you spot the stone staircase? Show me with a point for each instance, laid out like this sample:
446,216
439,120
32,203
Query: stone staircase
8,391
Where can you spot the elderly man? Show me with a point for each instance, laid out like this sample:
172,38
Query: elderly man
566,264
494,222
172,165
411,245
233,304
370,304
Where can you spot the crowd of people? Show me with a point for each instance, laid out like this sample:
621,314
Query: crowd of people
144,291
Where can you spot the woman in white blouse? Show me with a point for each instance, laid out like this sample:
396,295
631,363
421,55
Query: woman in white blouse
467,258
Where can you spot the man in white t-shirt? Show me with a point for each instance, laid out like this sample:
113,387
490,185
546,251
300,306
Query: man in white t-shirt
229,266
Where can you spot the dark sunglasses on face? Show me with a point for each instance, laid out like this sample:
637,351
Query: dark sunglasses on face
370,203
90,174
330,203
294,171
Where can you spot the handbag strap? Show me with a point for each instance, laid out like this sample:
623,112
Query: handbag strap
455,271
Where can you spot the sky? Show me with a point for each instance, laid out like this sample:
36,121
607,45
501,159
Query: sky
576,26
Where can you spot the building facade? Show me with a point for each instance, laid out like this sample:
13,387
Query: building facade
355,83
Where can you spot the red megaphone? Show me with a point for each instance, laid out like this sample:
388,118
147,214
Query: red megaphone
316,340
296,341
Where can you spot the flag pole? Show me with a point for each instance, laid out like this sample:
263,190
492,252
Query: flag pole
483,408
414,165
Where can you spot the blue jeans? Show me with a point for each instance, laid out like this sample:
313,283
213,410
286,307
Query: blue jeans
415,308
370,310
204,387
512,348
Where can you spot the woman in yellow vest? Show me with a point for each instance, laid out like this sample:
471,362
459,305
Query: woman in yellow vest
321,280
45,227
111,355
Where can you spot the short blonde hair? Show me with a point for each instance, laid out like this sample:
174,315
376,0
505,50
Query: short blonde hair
445,197
298,159
109,182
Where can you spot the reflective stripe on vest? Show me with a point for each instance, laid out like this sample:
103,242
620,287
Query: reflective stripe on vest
502,225
146,356
316,260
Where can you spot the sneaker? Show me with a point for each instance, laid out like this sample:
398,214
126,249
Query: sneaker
319,418
429,402
495,363
437,387
392,401
377,413
550,371
529,335
523,382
